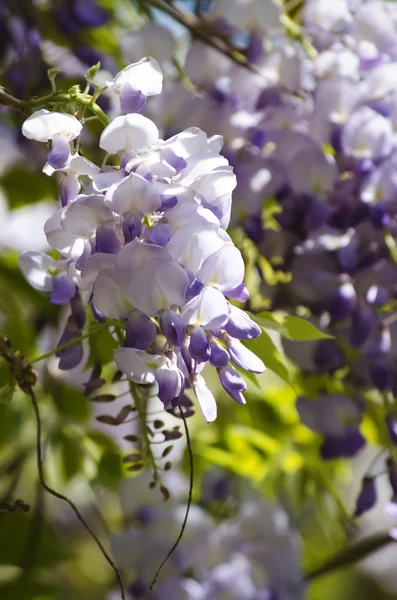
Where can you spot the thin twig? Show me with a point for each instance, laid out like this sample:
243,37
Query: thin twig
65,499
189,502
196,27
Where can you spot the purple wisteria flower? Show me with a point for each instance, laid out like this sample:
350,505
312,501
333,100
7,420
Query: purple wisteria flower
146,244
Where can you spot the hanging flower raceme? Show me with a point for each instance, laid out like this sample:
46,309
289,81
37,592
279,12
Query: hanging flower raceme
145,242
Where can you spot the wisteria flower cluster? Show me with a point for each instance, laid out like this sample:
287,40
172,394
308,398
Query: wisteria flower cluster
145,243
253,554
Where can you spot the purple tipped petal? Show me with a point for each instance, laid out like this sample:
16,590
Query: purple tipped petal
59,156
78,310
168,202
140,331
177,162
160,235
244,358
106,240
241,326
219,356
367,497
63,289
193,289
69,188
131,99
72,356
169,381
240,293
172,327
233,383
199,347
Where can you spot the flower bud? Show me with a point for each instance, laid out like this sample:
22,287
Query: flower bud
199,347
63,289
172,327
140,332
233,383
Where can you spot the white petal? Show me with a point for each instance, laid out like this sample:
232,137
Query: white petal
137,253
133,195
223,269
145,76
138,365
129,132
209,309
157,285
34,266
109,297
68,244
206,399
43,125
190,247
83,216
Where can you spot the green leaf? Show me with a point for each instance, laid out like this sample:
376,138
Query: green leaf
300,329
267,320
293,328
264,347
102,347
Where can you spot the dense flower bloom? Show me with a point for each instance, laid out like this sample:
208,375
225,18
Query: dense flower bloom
146,243
252,555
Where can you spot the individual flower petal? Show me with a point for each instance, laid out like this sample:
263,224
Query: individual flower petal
157,285
138,365
131,99
145,76
219,356
36,268
172,327
63,289
205,397
233,383
133,195
241,326
44,125
243,357
224,269
209,309
199,347
140,331
129,132
60,155
169,380
109,297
